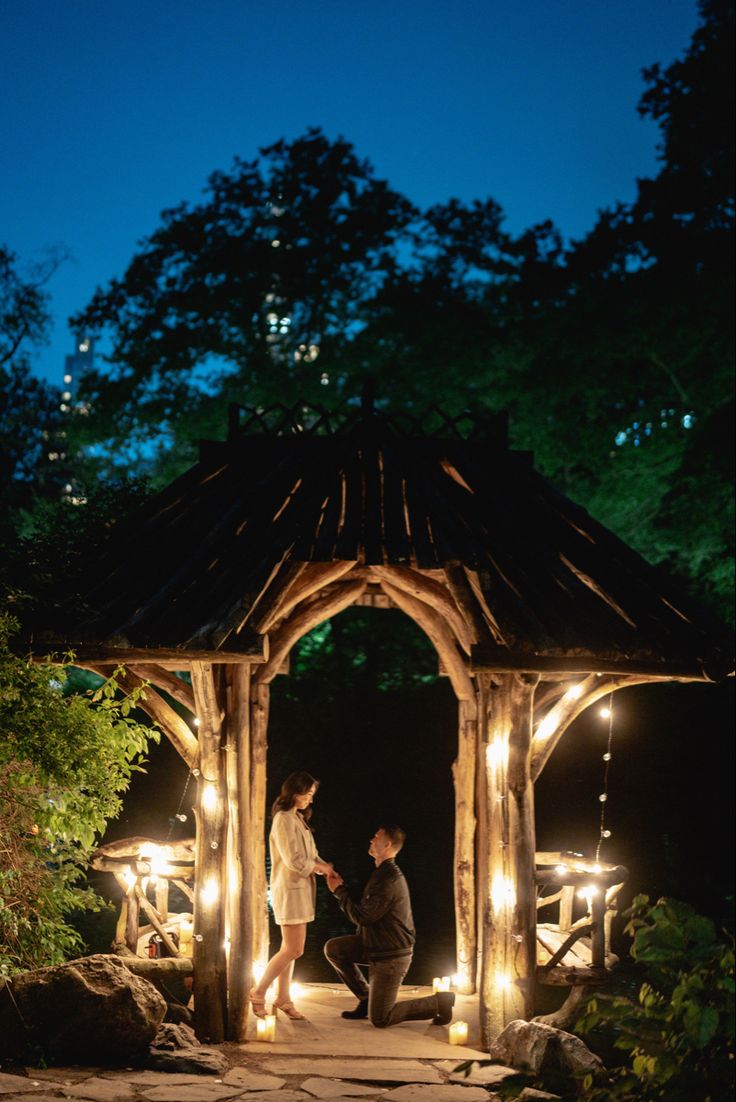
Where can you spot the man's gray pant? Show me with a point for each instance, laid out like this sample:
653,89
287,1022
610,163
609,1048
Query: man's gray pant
346,954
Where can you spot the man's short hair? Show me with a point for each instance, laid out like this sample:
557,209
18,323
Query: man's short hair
396,835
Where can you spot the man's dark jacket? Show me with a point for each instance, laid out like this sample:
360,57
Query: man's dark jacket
383,916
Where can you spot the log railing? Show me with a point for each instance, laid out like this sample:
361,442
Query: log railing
571,876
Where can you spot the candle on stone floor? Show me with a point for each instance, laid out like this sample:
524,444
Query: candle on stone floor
266,1028
440,983
459,1033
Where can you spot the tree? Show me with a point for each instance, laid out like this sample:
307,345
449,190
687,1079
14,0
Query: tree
65,759
301,273
246,296
31,428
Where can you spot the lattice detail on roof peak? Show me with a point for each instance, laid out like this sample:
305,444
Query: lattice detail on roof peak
312,419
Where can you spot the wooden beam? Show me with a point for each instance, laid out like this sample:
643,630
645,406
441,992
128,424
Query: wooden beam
239,872
266,607
463,776
177,730
432,593
466,601
105,654
169,682
210,972
484,657
435,627
509,894
552,726
301,621
259,708
317,576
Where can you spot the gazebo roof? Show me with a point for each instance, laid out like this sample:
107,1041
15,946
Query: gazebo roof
556,591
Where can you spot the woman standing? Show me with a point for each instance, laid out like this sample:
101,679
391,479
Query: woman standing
294,862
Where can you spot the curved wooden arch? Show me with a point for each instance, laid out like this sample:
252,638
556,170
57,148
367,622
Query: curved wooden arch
576,699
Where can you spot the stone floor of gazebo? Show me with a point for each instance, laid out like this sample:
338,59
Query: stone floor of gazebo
327,1034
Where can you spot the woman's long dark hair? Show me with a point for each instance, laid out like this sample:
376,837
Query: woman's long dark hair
296,784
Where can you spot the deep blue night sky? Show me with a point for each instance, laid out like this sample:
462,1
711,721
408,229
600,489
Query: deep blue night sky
111,111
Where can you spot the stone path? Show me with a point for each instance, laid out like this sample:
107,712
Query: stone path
324,1058
334,1080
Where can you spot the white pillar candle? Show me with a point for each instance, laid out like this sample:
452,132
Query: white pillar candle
266,1028
459,1033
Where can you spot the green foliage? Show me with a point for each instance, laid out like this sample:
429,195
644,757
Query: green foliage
679,1032
65,759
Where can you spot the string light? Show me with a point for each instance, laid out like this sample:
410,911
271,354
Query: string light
179,815
604,832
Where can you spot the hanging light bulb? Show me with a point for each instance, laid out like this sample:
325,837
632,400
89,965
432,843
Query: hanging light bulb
605,712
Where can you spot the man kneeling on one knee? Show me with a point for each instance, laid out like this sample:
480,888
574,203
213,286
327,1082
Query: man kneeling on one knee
383,942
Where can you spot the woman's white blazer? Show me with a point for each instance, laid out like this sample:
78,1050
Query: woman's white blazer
293,856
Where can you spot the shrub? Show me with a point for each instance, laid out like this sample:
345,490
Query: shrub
679,1032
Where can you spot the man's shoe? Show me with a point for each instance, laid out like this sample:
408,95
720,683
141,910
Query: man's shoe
445,1003
361,1011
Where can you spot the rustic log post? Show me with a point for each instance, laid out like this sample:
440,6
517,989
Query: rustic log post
239,850
483,682
260,694
598,932
509,893
162,898
132,910
567,903
463,775
210,974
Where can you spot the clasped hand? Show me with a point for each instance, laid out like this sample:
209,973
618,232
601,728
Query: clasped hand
327,869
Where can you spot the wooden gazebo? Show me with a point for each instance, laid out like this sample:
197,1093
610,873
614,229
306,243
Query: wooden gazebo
535,609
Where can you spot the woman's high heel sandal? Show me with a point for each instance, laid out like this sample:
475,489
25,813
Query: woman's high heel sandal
290,1011
258,1004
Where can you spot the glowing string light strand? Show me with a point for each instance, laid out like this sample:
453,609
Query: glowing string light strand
603,798
179,817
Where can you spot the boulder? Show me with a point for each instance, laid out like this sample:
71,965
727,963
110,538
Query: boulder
87,1011
172,1036
192,1061
536,1048
175,1049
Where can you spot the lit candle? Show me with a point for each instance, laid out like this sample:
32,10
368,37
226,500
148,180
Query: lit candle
440,983
266,1028
186,932
459,1033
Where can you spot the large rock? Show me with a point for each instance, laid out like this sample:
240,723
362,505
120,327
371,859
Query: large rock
91,1010
535,1047
176,1049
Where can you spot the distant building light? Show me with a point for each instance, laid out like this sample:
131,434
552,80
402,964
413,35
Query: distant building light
84,346
275,243
66,395
64,407
67,378
68,487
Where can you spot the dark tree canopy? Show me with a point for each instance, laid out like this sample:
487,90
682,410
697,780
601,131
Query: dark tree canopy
301,272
